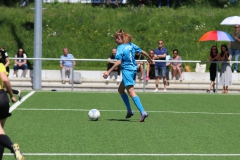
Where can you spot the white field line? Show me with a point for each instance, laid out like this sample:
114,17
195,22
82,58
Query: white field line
13,107
127,154
175,112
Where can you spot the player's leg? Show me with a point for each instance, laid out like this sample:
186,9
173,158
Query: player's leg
4,139
1,151
127,79
129,83
125,99
137,102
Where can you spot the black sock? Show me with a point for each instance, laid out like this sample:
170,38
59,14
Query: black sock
1,151
6,142
15,91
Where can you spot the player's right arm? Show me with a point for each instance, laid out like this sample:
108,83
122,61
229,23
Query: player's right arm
7,62
116,64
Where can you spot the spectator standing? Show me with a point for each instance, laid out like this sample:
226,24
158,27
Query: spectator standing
67,65
24,3
111,62
176,66
6,61
125,56
5,141
225,72
214,56
160,3
140,69
160,67
235,46
150,67
108,3
20,63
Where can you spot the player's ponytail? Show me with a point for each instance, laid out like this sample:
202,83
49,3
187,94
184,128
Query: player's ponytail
126,38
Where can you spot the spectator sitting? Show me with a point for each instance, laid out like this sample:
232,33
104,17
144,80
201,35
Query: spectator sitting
20,63
66,65
111,63
176,66
138,56
150,67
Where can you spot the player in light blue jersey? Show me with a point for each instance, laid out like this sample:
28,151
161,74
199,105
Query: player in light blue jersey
125,57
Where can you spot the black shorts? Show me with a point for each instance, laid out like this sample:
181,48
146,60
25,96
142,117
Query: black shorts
4,105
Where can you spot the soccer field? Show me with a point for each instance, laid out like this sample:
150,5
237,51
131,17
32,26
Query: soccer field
55,125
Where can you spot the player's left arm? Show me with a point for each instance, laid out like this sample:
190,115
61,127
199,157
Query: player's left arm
147,55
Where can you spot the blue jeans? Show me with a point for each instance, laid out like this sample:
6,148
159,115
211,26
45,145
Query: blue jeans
160,71
23,67
160,3
235,53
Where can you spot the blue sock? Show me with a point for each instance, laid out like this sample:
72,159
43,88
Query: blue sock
138,104
126,101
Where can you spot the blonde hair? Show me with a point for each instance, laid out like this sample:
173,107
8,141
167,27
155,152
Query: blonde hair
126,38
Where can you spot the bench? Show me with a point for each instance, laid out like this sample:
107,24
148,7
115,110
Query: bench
93,80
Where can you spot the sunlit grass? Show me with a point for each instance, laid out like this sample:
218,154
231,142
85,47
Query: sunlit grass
88,30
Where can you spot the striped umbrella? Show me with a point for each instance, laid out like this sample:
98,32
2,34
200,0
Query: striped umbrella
216,36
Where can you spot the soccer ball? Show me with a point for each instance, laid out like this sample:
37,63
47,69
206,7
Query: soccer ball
94,114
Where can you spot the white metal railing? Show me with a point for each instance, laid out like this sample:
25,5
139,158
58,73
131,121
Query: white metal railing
144,65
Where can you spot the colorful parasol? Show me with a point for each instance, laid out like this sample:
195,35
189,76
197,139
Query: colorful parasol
216,36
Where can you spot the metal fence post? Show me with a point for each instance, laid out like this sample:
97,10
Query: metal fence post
72,76
144,75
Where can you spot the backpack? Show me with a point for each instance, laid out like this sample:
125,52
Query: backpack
77,78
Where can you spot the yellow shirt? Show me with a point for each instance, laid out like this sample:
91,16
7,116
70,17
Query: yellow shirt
2,69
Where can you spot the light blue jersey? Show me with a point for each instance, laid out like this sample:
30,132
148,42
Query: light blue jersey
126,53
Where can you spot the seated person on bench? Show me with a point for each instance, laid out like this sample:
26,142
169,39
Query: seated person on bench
20,63
138,56
67,65
150,67
176,66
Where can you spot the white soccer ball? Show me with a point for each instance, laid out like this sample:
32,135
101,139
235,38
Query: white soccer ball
94,114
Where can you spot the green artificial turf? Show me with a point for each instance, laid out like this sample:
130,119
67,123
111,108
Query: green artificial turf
192,124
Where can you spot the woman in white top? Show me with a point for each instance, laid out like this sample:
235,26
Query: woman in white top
20,63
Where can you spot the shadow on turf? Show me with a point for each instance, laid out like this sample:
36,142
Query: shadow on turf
121,120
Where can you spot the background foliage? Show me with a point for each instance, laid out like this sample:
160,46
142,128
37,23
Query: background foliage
88,30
